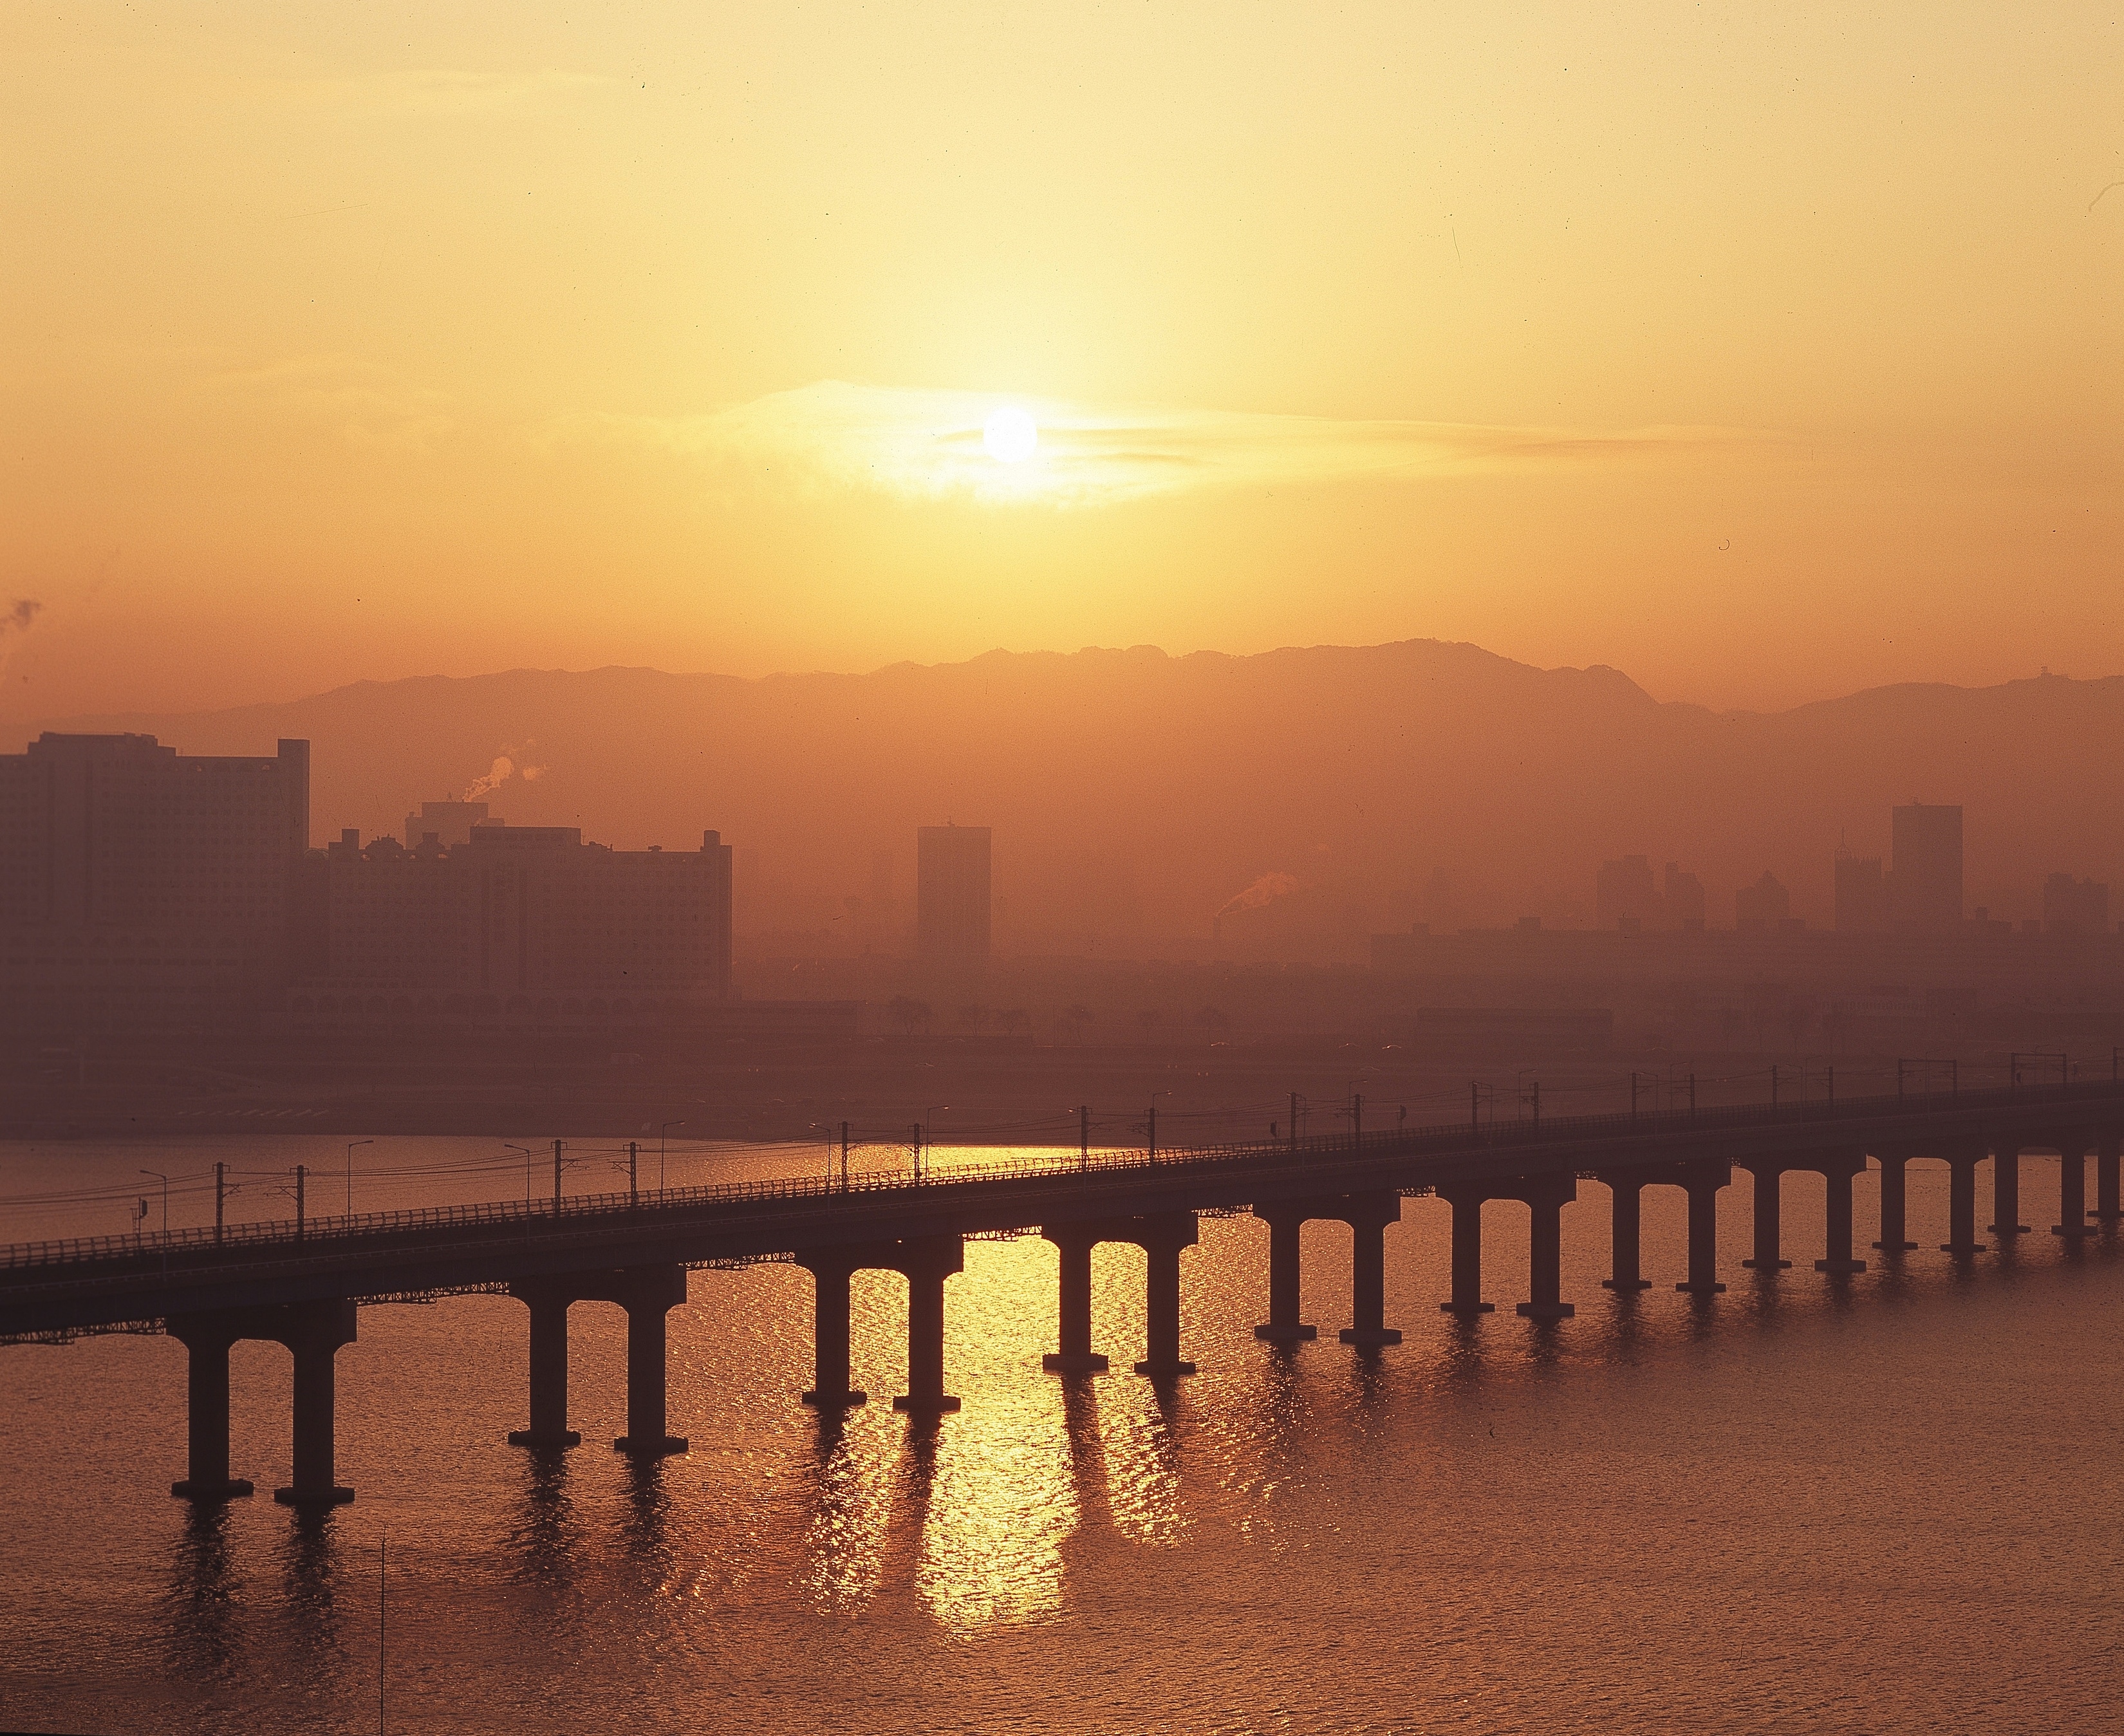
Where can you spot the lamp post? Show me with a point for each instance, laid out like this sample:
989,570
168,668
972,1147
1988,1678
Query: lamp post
351,1145
165,1181
927,1139
526,1150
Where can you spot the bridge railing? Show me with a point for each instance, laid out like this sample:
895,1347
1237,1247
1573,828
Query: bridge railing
147,1248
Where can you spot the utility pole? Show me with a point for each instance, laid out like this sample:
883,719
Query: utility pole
918,1154
556,1178
220,1172
633,1190
844,1157
1083,1136
302,1175
1294,1124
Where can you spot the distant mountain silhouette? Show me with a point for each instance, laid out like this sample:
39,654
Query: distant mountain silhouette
1134,793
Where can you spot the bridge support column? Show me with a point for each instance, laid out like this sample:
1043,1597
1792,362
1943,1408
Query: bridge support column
206,1339
2072,1186
2006,1191
1703,1182
1285,1224
1839,1174
1163,1237
1961,1204
1467,1203
830,1384
1368,1221
1895,1215
1627,1234
548,1303
2106,1207
313,1332
928,1263
1769,1179
1546,1200
1073,1329
649,1293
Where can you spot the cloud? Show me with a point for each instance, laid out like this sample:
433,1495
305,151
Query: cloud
366,403
920,444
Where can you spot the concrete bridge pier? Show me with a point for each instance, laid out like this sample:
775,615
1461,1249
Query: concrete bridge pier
313,1332
207,1339
548,1301
1840,1173
1961,1204
2006,1191
1546,1200
1285,1224
2072,1186
648,1294
1368,1216
1770,1179
1627,1234
1073,1332
927,1263
1162,1237
2106,1207
1895,1214
831,1389
1466,1198
1703,1182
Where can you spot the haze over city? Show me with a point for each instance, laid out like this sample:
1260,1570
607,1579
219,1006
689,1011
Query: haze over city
1110,869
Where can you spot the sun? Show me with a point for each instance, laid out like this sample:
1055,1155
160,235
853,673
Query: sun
1010,434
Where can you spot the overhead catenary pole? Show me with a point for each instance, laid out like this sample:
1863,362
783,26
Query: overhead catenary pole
1083,1136
301,1174
1294,1122
1357,1117
556,1178
633,1182
220,1190
844,1157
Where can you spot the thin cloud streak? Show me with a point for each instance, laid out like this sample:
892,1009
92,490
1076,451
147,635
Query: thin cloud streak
926,444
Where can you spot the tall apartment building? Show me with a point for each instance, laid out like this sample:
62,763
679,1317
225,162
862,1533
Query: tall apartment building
1925,882
141,888
520,924
952,893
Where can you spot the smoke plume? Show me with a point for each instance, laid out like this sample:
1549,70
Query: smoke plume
1266,890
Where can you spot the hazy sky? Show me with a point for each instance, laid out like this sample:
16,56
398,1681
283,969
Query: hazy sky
1762,352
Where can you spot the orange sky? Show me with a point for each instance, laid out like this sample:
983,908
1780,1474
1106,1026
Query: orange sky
1763,353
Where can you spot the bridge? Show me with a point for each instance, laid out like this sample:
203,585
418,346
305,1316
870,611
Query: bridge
300,1283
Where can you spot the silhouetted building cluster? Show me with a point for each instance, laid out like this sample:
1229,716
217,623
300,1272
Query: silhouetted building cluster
2073,906
519,924
1627,897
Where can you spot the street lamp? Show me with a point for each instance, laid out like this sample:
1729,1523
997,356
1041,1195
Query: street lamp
165,1181
351,1144
526,1150
926,1139
1152,1129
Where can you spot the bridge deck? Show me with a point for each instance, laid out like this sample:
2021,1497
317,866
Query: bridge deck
128,1282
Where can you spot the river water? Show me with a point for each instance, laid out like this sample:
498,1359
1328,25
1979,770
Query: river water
1887,1504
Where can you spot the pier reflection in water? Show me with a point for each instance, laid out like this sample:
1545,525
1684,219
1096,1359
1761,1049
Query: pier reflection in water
1683,1514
